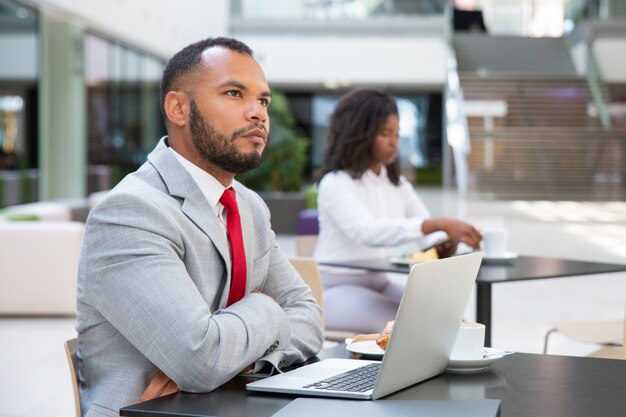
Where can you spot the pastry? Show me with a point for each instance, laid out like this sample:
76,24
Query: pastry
383,337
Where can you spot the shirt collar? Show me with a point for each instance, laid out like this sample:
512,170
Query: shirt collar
370,175
210,187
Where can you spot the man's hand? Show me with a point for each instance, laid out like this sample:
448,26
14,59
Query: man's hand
457,230
160,385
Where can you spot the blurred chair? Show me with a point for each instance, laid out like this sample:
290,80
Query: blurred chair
609,334
307,268
307,229
305,245
71,349
615,352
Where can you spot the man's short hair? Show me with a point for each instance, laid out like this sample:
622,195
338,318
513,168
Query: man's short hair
184,62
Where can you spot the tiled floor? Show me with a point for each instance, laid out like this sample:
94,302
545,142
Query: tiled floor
34,379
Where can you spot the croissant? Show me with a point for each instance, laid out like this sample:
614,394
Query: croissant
383,337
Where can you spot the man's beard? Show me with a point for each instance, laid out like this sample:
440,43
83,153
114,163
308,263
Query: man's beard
218,149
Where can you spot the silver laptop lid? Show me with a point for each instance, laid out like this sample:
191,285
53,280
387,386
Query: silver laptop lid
427,322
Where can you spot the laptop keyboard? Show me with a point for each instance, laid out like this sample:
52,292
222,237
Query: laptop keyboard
356,380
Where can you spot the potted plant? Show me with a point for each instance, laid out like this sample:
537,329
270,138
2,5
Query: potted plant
279,178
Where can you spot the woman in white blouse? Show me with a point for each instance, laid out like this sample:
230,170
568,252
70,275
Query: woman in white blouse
365,208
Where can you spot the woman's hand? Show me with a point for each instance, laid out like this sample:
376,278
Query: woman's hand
446,249
457,230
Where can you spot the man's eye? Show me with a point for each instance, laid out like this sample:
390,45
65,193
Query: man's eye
233,93
264,102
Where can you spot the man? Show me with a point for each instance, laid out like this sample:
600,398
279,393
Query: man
166,298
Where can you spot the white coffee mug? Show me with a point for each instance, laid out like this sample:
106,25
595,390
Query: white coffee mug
469,342
495,242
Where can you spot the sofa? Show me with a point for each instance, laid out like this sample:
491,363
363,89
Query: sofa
38,267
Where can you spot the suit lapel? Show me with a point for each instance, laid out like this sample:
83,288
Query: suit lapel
195,207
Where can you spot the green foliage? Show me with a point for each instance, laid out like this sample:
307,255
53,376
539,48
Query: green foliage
285,156
429,175
310,195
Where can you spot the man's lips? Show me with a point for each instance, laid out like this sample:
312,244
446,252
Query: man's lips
258,134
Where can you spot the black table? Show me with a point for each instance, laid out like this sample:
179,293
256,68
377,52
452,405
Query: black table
520,269
527,385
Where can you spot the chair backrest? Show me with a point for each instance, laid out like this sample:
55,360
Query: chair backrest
307,268
71,349
305,245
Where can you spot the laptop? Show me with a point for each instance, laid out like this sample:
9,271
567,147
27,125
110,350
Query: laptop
427,323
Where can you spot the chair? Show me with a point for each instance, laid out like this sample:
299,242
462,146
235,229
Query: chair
609,334
613,352
305,245
307,231
307,268
71,348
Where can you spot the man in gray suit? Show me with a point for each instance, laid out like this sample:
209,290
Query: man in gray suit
155,271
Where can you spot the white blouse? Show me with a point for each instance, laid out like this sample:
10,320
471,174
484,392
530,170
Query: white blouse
362,218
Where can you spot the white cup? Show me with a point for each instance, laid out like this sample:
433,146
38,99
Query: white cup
495,242
469,342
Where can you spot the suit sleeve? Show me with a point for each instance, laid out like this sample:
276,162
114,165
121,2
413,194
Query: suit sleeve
302,313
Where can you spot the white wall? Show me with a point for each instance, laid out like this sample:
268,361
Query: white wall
164,27
384,60
610,56
159,26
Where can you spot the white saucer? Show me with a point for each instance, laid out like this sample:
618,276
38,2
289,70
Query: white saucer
367,348
508,256
470,366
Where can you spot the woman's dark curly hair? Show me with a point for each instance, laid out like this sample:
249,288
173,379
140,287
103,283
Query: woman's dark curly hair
357,120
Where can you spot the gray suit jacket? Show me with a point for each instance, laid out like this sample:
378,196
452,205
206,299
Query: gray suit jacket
153,282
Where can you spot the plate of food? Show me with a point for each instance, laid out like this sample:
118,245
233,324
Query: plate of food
409,259
371,345
367,348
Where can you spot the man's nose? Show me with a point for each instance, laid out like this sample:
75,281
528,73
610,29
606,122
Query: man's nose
257,112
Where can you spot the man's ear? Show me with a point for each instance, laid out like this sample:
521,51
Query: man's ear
176,105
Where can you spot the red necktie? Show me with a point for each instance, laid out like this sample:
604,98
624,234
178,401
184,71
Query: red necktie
237,252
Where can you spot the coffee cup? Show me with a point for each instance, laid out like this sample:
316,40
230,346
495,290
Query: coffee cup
469,342
495,242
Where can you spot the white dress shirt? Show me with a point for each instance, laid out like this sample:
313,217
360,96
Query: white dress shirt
210,187
363,218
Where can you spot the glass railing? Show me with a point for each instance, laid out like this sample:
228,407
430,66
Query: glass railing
593,80
577,11
456,129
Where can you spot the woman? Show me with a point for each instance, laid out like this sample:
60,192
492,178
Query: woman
365,207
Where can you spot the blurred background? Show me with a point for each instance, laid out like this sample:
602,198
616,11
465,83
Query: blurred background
513,114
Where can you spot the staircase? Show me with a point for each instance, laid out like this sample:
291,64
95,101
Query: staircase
548,144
